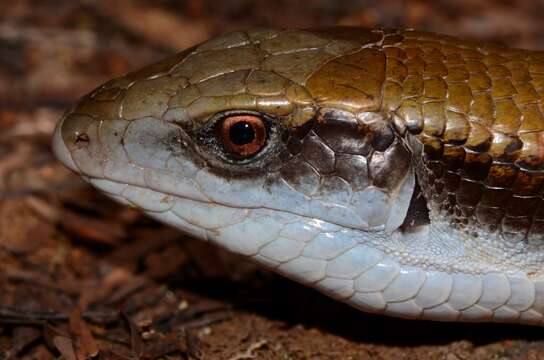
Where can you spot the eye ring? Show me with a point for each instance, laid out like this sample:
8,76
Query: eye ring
243,135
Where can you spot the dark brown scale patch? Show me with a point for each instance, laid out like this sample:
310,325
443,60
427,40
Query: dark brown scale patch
531,162
513,147
342,133
386,168
539,213
454,157
433,147
284,156
294,145
476,166
294,138
353,169
382,135
318,154
469,193
506,149
522,206
501,175
435,171
451,181
301,176
528,183
496,197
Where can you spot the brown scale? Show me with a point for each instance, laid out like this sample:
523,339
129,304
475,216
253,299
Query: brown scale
477,109
475,112
338,153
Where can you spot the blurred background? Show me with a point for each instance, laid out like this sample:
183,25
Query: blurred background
82,277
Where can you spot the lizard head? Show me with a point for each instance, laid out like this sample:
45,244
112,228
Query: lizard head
282,121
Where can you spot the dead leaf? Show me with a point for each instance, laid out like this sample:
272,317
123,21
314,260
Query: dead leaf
136,343
65,346
93,229
23,336
85,344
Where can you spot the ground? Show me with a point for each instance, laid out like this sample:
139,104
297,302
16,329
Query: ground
82,277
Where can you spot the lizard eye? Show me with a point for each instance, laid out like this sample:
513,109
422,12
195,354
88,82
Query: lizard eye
243,135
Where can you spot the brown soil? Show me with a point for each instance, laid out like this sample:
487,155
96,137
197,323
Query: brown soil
82,277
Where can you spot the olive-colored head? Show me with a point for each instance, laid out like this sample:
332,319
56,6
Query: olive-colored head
289,119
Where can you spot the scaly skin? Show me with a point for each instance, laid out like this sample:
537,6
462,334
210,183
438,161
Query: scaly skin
402,170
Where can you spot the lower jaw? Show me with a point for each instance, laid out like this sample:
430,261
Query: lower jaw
366,277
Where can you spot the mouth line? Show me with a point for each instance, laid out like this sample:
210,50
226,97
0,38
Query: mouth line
96,182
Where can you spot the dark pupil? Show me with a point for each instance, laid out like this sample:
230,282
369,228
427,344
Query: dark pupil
241,133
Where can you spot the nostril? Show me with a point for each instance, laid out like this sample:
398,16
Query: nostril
81,140
77,131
